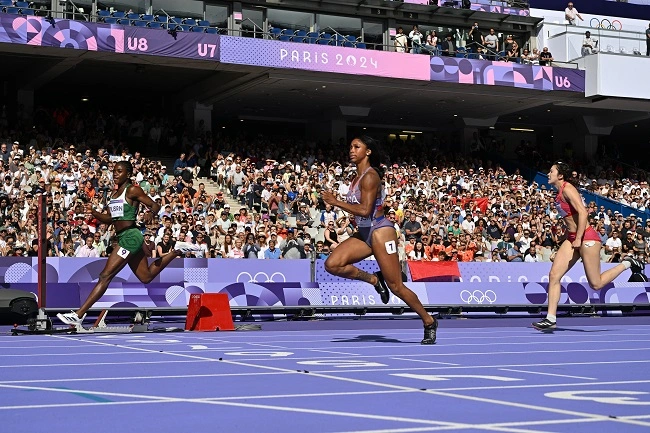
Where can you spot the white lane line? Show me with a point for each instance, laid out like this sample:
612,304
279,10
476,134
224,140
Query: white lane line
479,426
320,394
462,367
548,374
266,345
67,405
179,376
423,360
160,352
245,405
96,363
459,354
490,401
332,351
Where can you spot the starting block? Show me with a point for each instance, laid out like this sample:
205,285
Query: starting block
42,325
140,323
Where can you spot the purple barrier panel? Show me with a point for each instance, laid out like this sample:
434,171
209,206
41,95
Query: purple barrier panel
323,58
357,293
493,73
37,31
18,270
498,9
482,272
33,30
484,6
126,294
322,276
86,270
177,295
260,271
188,45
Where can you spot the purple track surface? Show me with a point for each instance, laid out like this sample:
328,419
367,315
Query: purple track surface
334,376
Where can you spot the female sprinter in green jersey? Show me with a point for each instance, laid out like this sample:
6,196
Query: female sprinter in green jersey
122,211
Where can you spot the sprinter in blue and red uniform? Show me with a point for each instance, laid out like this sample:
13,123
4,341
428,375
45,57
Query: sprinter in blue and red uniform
375,234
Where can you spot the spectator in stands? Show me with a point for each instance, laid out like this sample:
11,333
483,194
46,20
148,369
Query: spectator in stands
272,252
447,48
582,242
431,46
515,254
588,44
416,40
512,54
401,41
375,235
571,15
292,247
236,252
122,213
418,252
647,41
475,38
545,57
87,249
532,255
492,44
4,153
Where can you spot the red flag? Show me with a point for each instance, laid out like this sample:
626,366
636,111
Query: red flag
434,271
476,203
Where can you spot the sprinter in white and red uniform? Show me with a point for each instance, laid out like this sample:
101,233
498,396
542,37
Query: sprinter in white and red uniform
582,242
375,234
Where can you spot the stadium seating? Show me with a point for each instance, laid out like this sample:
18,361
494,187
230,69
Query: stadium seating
300,36
286,35
324,39
312,37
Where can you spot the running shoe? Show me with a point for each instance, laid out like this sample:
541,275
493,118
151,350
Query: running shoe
186,247
71,318
382,288
430,333
637,266
544,325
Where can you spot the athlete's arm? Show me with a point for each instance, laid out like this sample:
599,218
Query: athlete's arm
135,193
102,217
572,196
369,185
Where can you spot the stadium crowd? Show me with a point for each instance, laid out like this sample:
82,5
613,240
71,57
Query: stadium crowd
444,206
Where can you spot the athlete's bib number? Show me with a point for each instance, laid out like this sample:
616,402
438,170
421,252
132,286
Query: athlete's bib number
116,207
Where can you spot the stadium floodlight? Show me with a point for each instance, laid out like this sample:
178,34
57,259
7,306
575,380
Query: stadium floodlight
522,129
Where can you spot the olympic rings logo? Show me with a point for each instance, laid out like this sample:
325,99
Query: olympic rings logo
478,297
606,24
261,277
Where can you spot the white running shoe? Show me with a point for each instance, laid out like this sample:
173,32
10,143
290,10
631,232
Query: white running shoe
185,247
71,318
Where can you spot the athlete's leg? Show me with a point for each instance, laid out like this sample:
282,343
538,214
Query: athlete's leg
340,261
591,260
114,265
147,272
564,260
384,248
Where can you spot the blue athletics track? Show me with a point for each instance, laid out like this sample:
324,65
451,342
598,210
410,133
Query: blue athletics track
592,374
